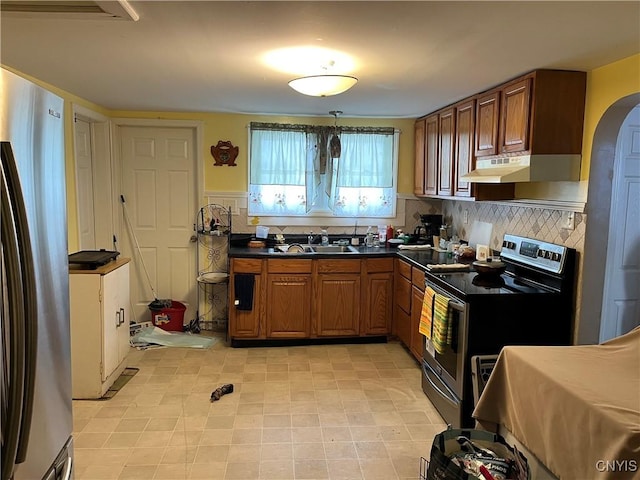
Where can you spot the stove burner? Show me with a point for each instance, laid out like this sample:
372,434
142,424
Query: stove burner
488,281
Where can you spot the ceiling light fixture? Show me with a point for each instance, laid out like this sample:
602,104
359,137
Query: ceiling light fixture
323,85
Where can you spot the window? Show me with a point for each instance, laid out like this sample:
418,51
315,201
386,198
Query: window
298,170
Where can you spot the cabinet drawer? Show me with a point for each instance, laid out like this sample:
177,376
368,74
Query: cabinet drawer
246,265
404,269
417,277
338,266
291,265
373,265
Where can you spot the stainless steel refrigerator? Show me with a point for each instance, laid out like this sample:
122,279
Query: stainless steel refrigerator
36,412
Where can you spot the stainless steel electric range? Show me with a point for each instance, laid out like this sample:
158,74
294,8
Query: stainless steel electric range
530,304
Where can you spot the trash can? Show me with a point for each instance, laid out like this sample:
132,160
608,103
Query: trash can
170,318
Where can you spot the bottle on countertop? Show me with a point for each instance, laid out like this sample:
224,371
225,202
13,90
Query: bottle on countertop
324,237
389,232
368,239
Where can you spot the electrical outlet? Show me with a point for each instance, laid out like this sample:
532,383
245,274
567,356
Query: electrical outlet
569,220
465,216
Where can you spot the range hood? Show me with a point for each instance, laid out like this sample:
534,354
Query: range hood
525,168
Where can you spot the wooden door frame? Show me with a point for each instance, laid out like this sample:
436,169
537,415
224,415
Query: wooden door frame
598,210
101,169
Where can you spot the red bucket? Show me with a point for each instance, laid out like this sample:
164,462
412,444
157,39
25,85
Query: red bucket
169,318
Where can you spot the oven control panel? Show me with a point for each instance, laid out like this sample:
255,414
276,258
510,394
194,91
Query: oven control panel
539,254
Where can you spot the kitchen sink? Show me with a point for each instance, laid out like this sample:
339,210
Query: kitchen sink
334,249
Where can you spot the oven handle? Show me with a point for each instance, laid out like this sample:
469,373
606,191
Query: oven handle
426,369
459,306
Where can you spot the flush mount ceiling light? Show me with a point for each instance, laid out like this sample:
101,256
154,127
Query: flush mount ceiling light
323,85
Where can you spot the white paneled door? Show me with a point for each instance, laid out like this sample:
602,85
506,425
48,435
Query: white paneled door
158,166
84,185
621,299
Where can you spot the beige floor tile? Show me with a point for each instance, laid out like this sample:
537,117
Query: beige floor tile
371,450
302,451
219,422
94,425
183,438
122,439
337,450
246,436
276,470
305,420
172,472
306,434
179,455
336,434
132,425
138,472
212,454
310,469
207,471
242,470
248,421
167,424
366,434
276,451
216,437
154,439
380,469
344,469
277,435
145,456
98,472
272,421
244,453
90,439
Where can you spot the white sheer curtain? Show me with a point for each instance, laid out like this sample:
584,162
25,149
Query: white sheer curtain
278,157
366,160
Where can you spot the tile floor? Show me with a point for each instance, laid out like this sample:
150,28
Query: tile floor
311,412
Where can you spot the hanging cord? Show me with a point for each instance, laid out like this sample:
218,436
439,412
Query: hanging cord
133,234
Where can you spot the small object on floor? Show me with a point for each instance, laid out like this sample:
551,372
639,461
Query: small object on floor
220,391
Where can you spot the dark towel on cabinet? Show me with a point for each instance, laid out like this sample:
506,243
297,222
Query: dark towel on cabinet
243,288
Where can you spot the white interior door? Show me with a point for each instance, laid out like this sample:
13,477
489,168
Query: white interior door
621,298
84,184
158,166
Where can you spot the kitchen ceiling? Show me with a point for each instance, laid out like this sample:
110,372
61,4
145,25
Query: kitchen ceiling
410,57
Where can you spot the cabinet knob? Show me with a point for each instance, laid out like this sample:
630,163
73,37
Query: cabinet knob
236,302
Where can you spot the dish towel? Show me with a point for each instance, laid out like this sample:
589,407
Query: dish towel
426,314
243,289
435,319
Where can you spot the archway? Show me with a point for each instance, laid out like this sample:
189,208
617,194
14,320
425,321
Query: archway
598,212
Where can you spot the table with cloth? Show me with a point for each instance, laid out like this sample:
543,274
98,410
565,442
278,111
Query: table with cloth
576,408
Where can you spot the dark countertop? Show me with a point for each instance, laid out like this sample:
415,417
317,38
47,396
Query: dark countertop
248,252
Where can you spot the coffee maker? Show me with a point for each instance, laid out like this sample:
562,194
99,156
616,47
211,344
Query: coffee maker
430,227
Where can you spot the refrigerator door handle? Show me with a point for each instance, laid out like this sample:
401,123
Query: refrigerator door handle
13,315
29,298
68,469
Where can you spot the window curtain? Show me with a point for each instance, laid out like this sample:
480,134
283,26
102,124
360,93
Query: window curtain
278,157
366,160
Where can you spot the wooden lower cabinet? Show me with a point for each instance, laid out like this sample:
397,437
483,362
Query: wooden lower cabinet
337,297
246,323
305,298
377,296
288,312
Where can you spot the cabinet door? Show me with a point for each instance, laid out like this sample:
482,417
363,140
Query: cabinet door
464,148
111,321
246,323
288,306
338,304
419,170
446,151
431,155
378,303
514,132
417,339
487,122
402,322
125,314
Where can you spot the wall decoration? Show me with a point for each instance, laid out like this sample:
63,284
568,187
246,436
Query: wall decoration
224,153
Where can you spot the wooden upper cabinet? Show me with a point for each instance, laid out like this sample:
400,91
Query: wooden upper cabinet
431,155
446,146
487,123
419,173
464,147
515,115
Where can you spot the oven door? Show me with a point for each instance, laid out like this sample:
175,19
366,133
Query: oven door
450,364
449,405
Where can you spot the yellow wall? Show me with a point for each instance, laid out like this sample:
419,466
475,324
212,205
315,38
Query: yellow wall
233,127
605,86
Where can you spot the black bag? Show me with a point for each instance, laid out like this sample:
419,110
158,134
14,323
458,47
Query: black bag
445,447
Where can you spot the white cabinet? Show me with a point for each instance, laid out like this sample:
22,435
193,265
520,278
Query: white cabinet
100,313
